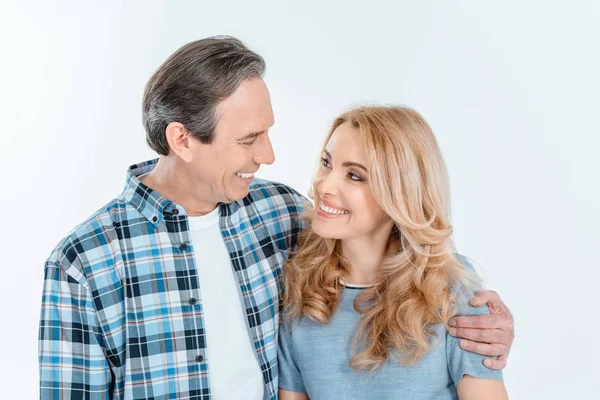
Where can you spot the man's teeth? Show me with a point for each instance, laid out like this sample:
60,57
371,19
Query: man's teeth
330,210
245,175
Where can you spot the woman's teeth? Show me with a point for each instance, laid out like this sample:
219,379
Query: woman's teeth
330,210
245,175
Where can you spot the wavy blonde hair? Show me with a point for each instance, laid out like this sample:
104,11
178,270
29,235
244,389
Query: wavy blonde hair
421,280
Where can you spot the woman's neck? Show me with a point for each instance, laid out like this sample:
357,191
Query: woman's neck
365,255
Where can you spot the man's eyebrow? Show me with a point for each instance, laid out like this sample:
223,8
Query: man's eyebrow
347,163
254,135
251,135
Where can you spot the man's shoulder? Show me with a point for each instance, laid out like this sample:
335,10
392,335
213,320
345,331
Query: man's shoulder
275,195
261,188
94,233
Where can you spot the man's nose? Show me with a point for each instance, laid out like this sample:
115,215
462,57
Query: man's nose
265,153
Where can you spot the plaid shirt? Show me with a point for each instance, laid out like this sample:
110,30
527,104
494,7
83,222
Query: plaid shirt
122,314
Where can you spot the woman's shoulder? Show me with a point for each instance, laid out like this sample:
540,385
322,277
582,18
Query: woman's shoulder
465,261
465,288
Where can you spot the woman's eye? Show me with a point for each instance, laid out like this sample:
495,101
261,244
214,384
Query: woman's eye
355,177
324,162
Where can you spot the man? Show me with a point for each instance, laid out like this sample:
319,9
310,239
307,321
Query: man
171,289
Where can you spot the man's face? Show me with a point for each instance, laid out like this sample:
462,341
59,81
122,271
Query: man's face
225,168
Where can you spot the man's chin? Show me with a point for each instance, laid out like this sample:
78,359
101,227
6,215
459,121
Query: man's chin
237,194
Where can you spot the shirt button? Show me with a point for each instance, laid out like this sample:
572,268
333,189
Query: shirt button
192,301
183,246
199,358
175,211
154,219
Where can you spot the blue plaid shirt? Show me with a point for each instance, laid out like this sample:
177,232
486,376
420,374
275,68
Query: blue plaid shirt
122,314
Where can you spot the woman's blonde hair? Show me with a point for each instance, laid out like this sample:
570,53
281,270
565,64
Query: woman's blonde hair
421,280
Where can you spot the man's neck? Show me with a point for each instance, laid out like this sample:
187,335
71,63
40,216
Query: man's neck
172,182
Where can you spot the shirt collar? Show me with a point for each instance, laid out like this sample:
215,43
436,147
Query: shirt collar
149,203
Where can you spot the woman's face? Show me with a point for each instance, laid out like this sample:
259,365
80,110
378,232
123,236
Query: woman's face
345,204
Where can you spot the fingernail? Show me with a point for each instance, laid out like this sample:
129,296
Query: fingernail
487,363
464,344
452,331
452,322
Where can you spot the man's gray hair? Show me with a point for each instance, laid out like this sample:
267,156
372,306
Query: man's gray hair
187,87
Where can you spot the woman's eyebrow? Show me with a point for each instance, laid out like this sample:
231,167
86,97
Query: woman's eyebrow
347,163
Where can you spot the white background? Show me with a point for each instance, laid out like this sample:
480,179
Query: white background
510,88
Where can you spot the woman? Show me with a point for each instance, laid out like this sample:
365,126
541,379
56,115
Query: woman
375,281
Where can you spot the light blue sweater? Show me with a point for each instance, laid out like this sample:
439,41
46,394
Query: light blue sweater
314,359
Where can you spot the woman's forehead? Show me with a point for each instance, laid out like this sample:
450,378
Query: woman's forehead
346,143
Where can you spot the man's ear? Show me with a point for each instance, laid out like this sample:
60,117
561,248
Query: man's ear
179,140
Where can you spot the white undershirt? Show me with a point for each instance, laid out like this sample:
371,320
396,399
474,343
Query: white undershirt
234,372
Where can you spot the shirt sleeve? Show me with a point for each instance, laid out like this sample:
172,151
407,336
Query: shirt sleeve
289,373
462,362
72,361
